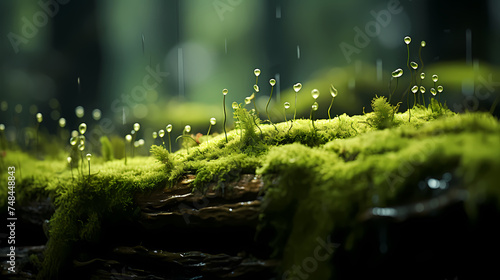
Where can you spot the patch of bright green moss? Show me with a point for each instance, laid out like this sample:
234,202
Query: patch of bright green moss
317,178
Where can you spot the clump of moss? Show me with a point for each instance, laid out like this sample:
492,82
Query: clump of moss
383,113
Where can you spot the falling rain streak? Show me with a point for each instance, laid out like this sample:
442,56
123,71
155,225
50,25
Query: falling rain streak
180,69
278,11
379,70
298,52
225,45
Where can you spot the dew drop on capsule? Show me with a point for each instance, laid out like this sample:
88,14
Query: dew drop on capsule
96,114
423,43
62,122
155,134
248,100
74,133
81,138
256,72
422,75
256,88
435,78
414,65
82,128
73,141
287,105
440,88
141,142
315,93
161,133
2,127
79,112
225,91
213,121
169,128
422,89
314,107
397,73
234,105
407,40
433,91
187,128
414,89
68,159
333,91
272,82
81,147
89,156
39,117
128,137
297,87
136,144
137,126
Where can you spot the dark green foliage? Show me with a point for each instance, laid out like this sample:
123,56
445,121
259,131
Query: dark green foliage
106,149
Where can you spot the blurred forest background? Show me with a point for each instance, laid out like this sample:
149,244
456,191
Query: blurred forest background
159,62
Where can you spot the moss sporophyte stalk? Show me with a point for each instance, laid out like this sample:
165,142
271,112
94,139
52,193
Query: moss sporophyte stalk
314,163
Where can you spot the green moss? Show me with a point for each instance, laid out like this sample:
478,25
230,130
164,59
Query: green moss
316,181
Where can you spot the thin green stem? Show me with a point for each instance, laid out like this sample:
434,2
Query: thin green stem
209,127
295,113
312,119
224,106
267,105
329,108
169,143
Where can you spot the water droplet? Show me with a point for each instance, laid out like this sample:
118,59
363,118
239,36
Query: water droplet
333,91
397,73
128,137
422,75
141,142
248,100
4,105
155,134
81,138
79,112
272,82
62,122
82,128
161,133
68,159
169,128
256,72
234,105
422,89
314,107
414,65
440,88
81,147
435,78
2,127
423,43
187,128
414,89
18,108
73,141
74,133
225,91
315,93
137,126
433,91
39,117
136,144
89,156
96,114
256,88
132,132
287,105
407,40
297,87
213,121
